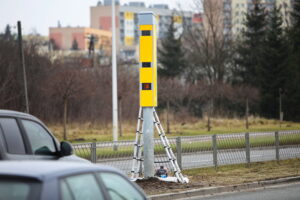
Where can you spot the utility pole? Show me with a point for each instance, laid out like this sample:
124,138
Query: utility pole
280,107
114,78
23,65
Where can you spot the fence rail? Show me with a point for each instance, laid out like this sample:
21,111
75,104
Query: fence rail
200,151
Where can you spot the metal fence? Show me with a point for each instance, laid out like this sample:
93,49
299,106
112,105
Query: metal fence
200,151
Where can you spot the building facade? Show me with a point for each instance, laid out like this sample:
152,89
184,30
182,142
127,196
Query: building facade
63,38
233,13
127,22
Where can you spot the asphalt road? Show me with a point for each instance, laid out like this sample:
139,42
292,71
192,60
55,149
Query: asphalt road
279,192
205,159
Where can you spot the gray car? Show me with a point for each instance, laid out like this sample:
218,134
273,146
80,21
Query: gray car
23,137
48,180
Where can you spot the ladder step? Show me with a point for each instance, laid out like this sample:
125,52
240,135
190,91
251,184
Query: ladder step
166,161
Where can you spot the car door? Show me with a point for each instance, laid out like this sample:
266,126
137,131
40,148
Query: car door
40,142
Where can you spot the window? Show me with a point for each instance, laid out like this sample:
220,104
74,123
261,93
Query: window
41,141
80,187
15,189
65,192
119,188
12,136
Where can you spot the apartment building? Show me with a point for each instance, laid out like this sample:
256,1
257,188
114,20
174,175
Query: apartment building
127,33
232,12
127,22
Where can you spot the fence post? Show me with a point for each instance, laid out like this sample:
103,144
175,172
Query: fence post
179,150
93,152
247,143
215,150
277,145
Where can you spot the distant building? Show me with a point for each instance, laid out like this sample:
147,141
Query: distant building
127,22
232,13
63,38
126,27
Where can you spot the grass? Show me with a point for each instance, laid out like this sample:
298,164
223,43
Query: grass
88,132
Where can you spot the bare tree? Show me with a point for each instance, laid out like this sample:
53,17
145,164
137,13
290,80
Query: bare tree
246,95
208,44
64,85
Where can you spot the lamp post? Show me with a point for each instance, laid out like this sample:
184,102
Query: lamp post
114,78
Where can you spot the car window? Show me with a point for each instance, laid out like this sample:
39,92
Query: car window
65,191
18,190
119,188
12,135
41,141
80,187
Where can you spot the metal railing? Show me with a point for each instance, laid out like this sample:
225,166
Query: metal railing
200,151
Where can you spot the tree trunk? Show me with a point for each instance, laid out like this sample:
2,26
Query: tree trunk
65,118
209,113
208,122
168,120
247,114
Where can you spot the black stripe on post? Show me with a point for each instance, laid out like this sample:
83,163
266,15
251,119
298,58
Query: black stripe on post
146,33
146,64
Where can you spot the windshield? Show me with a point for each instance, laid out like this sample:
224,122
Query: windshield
18,189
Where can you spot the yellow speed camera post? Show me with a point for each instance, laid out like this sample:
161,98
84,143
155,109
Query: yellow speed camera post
148,60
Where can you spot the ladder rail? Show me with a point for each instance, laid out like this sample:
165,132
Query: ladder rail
137,146
167,147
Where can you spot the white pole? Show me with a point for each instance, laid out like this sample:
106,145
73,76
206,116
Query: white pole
114,77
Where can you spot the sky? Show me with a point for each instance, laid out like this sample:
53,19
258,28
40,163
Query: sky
38,15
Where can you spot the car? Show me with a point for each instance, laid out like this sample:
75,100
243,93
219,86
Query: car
23,137
49,180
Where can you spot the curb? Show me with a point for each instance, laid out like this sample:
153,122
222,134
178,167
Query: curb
221,189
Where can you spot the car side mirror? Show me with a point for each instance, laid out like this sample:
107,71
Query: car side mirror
66,149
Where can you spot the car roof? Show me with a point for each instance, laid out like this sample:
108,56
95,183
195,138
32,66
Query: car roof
43,170
11,113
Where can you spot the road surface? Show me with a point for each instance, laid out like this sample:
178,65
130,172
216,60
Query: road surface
205,159
278,192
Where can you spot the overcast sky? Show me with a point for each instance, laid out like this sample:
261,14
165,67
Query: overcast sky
39,15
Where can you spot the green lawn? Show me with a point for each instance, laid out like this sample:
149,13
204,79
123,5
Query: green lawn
87,132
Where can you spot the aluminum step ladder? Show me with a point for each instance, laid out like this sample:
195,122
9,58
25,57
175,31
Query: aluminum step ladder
137,163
